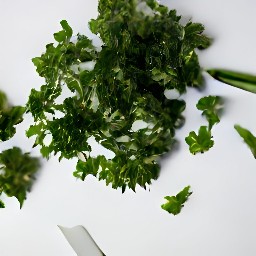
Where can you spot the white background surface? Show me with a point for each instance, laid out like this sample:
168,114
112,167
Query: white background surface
220,217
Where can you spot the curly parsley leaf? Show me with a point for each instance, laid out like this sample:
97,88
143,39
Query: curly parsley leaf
174,204
201,142
248,137
9,117
210,105
17,173
145,51
123,174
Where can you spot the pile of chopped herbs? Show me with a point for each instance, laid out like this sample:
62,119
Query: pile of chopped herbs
145,51
116,94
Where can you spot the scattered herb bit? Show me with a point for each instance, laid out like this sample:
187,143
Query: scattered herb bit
210,105
2,204
145,50
16,169
200,143
174,204
9,117
17,173
248,137
237,79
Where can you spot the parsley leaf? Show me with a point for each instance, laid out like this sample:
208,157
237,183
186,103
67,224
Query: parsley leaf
65,34
248,137
9,117
174,204
201,142
210,106
17,173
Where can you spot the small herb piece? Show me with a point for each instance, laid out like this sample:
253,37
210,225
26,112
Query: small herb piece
200,143
2,204
145,50
17,173
210,106
248,137
9,117
174,204
237,79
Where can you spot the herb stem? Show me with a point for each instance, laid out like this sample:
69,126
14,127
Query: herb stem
240,80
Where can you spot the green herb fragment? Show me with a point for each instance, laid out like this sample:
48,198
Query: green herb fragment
248,137
200,143
174,204
2,205
17,173
210,106
65,34
237,79
145,50
9,117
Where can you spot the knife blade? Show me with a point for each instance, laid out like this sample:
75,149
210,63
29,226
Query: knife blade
81,241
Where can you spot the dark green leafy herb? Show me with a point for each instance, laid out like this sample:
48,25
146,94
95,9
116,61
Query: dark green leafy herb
17,173
174,204
145,50
248,137
9,117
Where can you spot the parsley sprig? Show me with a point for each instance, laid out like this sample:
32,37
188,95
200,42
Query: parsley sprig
202,142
